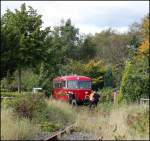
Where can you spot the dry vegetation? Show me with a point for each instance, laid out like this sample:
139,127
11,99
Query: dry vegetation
14,128
61,112
125,122
54,116
122,122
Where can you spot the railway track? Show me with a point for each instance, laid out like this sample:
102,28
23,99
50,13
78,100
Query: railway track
58,134
70,131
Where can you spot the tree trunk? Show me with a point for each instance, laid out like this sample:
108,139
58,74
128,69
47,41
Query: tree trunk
19,80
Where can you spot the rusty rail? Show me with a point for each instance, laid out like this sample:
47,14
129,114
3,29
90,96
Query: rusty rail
58,134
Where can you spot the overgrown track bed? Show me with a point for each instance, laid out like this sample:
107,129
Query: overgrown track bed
58,134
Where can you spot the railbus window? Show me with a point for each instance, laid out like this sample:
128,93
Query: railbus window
63,84
72,84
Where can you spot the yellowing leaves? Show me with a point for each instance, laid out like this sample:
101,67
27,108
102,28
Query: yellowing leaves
145,27
144,48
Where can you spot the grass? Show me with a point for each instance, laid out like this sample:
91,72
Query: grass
115,124
107,121
14,128
23,114
61,112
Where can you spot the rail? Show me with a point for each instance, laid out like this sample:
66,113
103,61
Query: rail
58,134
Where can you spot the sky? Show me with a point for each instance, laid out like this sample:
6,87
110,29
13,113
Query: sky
88,16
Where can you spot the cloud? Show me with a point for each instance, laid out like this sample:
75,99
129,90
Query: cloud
89,16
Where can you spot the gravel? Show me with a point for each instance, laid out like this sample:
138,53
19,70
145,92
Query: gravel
78,136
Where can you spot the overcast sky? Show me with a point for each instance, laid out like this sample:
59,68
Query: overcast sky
88,16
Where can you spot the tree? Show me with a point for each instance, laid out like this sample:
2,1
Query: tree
134,35
144,47
87,49
111,46
69,36
109,78
135,80
24,38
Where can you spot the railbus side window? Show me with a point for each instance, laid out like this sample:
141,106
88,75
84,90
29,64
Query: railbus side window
56,85
59,84
63,84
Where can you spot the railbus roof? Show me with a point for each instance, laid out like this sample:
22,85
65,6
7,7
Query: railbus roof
73,77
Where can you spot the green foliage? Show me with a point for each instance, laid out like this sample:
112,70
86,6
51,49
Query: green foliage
134,35
106,94
29,105
123,83
111,46
135,81
63,51
49,127
109,78
96,70
29,80
50,116
24,39
8,83
87,50
44,77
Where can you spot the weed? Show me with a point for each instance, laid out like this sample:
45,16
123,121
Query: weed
14,128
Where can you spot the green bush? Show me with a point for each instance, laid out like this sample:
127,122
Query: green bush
136,87
28,81
109,80
135,81
50,116
106,94
28,105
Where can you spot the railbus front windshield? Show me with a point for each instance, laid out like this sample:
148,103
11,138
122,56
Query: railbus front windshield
74,84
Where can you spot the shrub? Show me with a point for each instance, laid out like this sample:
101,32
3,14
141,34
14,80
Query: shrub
50,115
109,80
135,81
28,105
106,94
29,80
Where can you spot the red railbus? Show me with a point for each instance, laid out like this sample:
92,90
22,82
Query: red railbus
72,88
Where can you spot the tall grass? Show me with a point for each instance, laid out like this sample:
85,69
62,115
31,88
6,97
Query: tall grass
123,122
61,112
14,128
